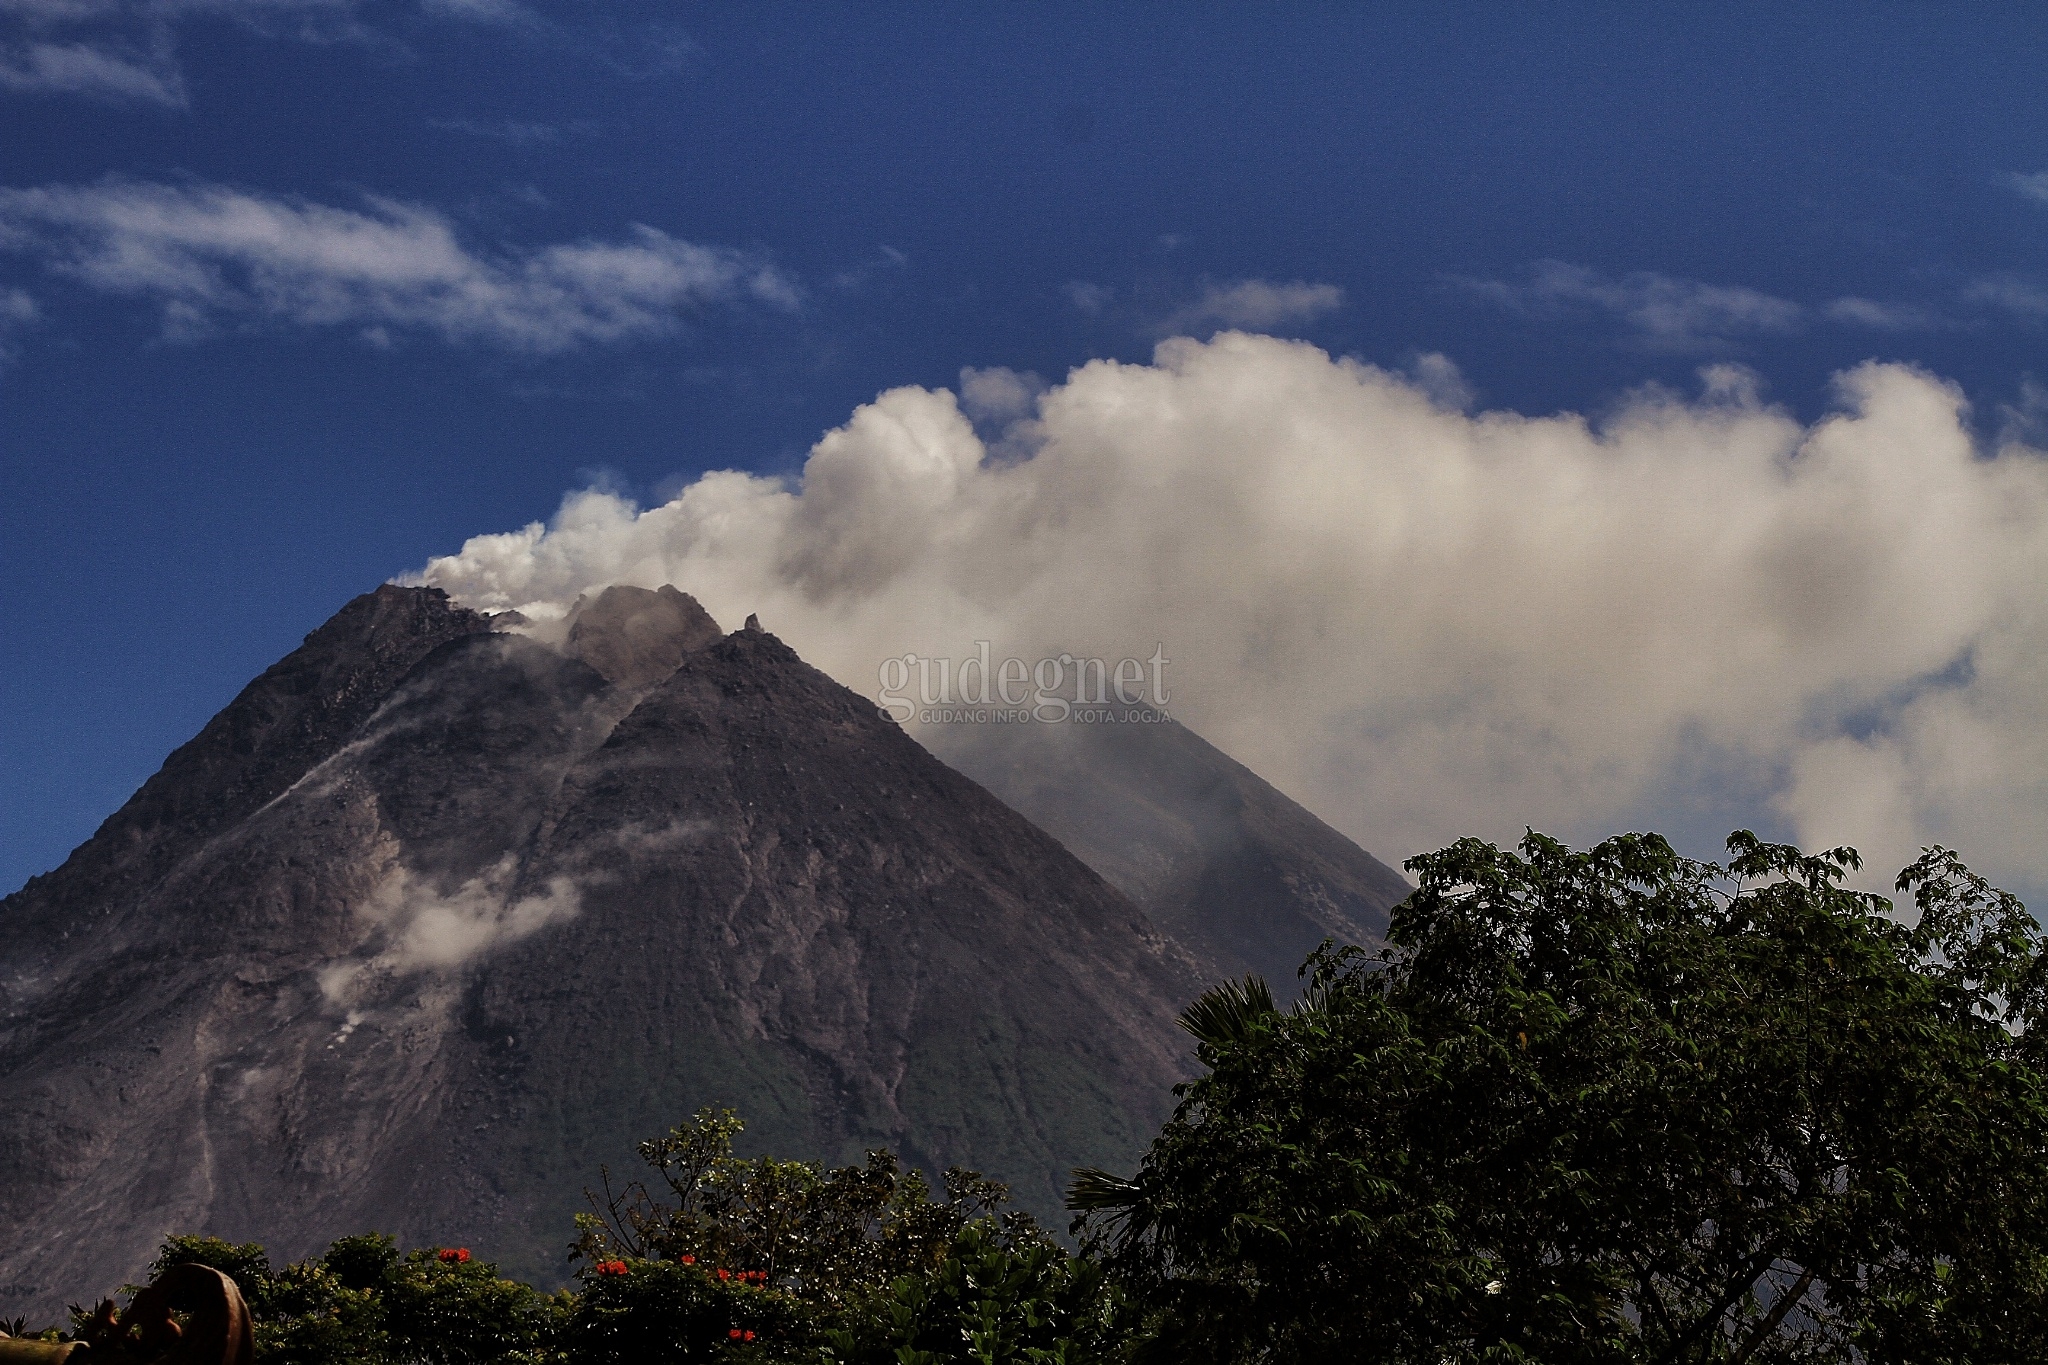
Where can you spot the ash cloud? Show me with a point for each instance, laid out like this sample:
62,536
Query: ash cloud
425,928
1419,621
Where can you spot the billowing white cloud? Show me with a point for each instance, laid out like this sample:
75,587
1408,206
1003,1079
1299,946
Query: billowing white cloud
998,394
211,256
1258,305
1421,622
1437,375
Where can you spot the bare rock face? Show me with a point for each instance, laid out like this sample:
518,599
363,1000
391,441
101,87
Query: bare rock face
634,637
298,712
434,919
1228,866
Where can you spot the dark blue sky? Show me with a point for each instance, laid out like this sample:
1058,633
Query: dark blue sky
213,433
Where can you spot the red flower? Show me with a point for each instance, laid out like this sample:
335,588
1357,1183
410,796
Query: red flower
734,1334
610,1267
724,1274
454,1255
749,1336
689,1260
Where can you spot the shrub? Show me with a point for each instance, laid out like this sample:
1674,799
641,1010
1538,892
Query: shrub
996,1297
364,1304
637,1311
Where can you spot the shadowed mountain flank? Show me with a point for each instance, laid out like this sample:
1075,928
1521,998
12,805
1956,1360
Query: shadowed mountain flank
1242,876
433,919
297,713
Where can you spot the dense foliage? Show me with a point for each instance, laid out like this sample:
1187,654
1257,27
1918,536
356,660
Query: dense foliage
1615,1106
874,1268
738,1261
364,1304
1604,1106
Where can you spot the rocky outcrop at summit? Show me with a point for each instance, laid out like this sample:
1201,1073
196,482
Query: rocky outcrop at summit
634,637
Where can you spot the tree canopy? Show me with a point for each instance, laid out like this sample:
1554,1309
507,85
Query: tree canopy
1614,1105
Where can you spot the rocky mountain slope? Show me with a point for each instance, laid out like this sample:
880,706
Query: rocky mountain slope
434,918
1239,874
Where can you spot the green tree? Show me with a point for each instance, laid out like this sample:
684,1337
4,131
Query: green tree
859,1264
642,1312
1614,1105
365,1304
993,1300
829,1234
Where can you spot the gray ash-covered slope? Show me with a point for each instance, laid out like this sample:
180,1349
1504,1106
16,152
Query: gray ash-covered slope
432,919
1242,876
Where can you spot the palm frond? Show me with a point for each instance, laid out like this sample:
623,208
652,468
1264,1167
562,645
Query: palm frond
1226,1014
1095,1191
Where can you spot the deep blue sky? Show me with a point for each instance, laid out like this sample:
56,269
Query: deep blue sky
1549,195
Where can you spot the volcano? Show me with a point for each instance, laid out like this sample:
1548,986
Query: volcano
436,917
1216,856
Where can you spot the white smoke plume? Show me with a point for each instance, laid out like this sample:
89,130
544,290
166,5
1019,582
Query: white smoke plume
425,929
1424,623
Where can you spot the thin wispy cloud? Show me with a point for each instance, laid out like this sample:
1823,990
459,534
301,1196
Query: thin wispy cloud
123,51
1661,312
2024,421
886,260
513,131
2033,185
483,11
100,73
1084,296
1882,317
2008,293
18,312
212,257
64,11
1253,305
1167,308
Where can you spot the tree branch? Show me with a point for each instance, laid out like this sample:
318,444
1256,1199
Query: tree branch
1768,1328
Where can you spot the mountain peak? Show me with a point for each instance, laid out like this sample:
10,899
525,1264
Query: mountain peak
471,917
635,637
